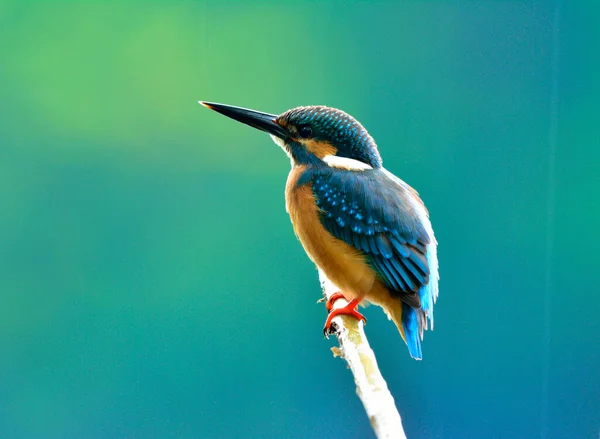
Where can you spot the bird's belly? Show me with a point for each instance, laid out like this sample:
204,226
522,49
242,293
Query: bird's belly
341,263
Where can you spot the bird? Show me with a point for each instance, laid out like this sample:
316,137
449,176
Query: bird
367,230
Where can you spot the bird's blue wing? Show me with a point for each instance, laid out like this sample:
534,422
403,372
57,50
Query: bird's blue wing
384,218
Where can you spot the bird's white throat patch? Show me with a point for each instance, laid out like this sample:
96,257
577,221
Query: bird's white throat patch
278,141
334,161
281,143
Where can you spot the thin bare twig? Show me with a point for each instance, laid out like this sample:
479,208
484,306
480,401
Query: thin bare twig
370,385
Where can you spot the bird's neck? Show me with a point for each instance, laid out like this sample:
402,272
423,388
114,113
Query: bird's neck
300,156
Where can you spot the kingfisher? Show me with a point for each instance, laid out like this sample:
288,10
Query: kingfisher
365,228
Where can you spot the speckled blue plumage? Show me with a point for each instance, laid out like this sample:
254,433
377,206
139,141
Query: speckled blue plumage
379,217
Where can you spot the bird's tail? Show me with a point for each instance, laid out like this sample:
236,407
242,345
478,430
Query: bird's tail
410,323
412,326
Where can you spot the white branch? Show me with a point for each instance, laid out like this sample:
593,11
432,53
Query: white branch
370,385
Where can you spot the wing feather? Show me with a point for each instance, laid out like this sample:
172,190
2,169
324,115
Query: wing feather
377,216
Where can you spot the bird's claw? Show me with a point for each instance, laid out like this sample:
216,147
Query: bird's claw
349,309
331,300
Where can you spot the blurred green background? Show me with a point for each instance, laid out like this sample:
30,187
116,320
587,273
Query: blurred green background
150,282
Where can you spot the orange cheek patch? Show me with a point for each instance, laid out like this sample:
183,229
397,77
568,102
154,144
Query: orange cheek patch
319,148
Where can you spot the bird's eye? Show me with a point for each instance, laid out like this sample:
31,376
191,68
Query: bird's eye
305,131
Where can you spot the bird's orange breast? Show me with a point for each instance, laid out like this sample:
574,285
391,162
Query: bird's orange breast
344,265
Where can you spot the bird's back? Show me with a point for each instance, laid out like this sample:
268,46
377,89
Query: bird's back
370,234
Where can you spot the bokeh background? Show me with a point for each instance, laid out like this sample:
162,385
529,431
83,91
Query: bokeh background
150,282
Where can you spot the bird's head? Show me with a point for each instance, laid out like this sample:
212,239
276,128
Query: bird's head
313,135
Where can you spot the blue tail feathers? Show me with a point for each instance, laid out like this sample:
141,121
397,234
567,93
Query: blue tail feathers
412,331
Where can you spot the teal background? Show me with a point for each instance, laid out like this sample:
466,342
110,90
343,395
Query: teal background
150,282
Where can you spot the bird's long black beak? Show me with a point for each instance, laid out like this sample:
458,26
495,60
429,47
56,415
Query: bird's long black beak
262,121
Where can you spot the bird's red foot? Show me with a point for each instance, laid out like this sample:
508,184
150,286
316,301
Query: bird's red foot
349,309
